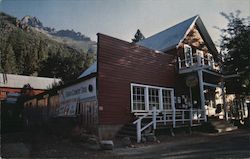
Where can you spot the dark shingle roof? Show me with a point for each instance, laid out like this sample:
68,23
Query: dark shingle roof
171,37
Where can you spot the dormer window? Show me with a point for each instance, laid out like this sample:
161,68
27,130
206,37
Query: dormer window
188,55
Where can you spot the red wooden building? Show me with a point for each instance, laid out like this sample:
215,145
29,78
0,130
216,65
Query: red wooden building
134,78
13,84
170,78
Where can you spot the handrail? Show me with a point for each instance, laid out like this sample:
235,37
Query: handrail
177,115
140,118
139,129
197,60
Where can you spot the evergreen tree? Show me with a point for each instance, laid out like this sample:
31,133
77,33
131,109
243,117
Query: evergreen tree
31,62
8,60
30,52
236,45
138,36
1,65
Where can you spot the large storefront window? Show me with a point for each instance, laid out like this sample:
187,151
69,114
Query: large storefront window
145,97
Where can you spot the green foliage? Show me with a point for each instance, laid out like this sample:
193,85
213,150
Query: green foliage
138,36
8,60
236,46
27,51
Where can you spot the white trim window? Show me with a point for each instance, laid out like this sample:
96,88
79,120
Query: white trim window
201,54
188,55
153,98
145,97
138,98
166,99
210,59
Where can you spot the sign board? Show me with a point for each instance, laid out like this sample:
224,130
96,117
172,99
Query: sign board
191,81
70,96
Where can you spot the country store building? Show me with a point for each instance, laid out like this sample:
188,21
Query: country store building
171,78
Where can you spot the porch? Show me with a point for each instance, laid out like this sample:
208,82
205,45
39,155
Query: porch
154,106
193,61
169,118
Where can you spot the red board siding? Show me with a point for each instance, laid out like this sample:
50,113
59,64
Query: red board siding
121,63
5,90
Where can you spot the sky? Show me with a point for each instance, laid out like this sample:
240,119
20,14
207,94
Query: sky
121,18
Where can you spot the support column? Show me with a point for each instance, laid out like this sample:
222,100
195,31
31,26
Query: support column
224,101
202,97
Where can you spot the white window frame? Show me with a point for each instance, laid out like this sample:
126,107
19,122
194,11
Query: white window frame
191,56
147,97
201,54
159,97
170,99
132,97
210,59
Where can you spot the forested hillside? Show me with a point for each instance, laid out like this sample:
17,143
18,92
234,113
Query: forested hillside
27,51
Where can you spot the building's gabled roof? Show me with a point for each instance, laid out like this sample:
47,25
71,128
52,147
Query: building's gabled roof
18,81
173,36
88,71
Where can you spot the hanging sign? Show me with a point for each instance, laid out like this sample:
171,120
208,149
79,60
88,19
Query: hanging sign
191,81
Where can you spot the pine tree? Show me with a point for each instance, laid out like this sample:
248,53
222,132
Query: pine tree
236,45
8,60
1,65
138,36
31,62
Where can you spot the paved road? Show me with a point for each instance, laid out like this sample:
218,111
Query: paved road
228,145
234,144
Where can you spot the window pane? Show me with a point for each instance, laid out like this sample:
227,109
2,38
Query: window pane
166,99
153,98
138,98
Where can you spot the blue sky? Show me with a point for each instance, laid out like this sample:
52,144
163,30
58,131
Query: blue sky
121,18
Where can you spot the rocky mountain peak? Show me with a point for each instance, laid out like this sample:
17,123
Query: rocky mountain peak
31,21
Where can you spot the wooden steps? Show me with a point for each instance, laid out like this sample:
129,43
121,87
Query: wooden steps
222,125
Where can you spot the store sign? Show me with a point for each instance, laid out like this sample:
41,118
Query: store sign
70,96
191,81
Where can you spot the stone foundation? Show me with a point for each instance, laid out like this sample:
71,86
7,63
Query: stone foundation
107,132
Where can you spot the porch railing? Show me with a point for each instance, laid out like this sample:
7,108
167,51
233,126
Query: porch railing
177,116
139,129
198,61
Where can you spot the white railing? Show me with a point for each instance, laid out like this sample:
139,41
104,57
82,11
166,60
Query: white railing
168,116
198,61
138,123
197,115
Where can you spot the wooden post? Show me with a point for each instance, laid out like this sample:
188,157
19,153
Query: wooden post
138,131
224,101
199,60
202,97
154,117
161,100
179,60
191,106
173,109
164,118
183,116
191,117
147,99
173,118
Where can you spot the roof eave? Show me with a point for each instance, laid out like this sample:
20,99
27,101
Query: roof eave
188,30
